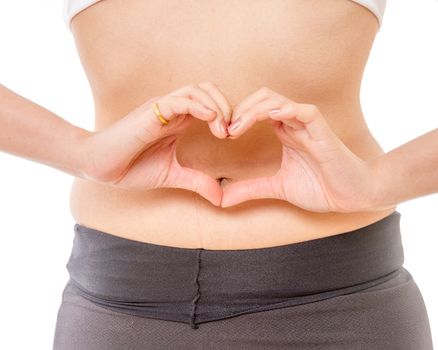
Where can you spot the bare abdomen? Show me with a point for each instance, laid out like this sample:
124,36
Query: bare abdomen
304,54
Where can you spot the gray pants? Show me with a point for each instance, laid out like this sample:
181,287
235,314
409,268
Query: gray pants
348,291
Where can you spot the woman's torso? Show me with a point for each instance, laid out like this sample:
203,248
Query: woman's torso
311,51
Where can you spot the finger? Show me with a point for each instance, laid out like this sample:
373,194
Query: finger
219,98
193,180
145,126
197,93
196,181
309,115
242,191
172,106
256,112
256,97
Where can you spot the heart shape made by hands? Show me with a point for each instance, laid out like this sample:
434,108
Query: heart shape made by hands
318,171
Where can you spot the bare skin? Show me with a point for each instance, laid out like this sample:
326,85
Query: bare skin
307,57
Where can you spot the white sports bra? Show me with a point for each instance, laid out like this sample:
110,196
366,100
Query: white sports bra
73,7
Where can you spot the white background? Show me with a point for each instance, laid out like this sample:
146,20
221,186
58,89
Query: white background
38,60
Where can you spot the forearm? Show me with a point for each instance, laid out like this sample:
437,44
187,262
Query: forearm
30,131
407,172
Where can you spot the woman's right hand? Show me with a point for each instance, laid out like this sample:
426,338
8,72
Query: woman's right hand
138,152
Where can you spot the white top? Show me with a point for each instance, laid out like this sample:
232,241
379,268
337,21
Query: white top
73,7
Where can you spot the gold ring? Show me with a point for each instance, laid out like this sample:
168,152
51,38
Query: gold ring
159,115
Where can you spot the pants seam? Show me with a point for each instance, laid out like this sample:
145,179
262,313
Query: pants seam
198,293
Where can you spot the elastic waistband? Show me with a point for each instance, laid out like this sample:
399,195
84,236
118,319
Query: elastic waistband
196,285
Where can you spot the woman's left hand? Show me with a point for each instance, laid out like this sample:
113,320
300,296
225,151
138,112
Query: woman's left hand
318,172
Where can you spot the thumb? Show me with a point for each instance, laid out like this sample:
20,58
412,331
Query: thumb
193,180
241,191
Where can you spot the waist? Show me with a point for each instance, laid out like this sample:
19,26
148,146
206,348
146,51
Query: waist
199,285
179,218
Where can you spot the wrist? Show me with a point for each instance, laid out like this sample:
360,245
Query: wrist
378,198
82,151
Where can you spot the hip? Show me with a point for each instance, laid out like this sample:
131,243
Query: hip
389,316
350,291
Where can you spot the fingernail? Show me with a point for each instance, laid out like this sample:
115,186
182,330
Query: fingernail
274,111
234,124
223,126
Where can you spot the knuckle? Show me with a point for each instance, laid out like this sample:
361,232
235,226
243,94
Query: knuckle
313,109
190,87
177,99
288,107
172,103
169,101
194,108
